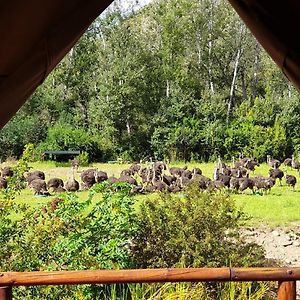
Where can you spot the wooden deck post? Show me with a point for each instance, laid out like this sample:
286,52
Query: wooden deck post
287,290
5,293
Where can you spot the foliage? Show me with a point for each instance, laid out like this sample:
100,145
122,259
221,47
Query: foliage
16,182
83,158
243,290
158,82
65,137
21,130
195,229
67,234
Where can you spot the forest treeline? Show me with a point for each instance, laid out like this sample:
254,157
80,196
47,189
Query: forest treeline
177,80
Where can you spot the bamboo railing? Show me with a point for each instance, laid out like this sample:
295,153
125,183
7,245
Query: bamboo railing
286,277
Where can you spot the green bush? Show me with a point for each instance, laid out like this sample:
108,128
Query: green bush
66,234
193,229
17,182
83,158
66,137
19,132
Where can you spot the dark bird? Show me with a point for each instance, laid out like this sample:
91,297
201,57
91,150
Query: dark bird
30,176
276,173
88,178
55,184
100,176
39,187
273,163
295,164
287,162
290,180
7,172
72,185
3,183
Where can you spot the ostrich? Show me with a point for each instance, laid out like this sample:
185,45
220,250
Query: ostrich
216,185
273,163
168,180
7,172
55,185
234,183
3,183
225,179
135,168
88,178
187,174
276,173
202,181
39,187
263,183
128,179
100,176
75,163
245,183
197,171
295,164
287,162
126,172
72,185
30,176
112,180
177,172
290,180
250,164
241,162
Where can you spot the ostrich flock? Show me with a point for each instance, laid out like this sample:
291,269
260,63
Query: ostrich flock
158,176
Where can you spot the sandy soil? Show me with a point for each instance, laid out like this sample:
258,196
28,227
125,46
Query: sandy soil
281,244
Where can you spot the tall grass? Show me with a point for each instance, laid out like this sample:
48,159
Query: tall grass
191,291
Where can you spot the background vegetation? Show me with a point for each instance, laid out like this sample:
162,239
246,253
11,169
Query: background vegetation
177,79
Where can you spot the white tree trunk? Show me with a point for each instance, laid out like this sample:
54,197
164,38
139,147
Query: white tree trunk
232,88
255,69
289,89
168,89
210,46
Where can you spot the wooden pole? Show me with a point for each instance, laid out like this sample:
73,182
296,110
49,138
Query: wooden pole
5,293
148,275
287,290
113,276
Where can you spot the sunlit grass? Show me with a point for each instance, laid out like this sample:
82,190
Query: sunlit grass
279,207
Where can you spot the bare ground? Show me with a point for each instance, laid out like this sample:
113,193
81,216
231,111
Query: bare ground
280,244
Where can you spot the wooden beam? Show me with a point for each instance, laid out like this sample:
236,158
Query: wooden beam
148,275
113,276
287,290
5,293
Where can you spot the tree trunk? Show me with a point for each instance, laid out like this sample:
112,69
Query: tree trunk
168,89
232,88
210,45
255,70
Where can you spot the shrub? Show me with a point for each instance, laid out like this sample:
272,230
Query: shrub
83,158
66,137
68,234
17,182
193,229
19,132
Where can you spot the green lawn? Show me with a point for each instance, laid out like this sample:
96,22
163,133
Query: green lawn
281,207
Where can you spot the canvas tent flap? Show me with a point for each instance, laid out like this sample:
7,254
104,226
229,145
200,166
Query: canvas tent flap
35,36
275,25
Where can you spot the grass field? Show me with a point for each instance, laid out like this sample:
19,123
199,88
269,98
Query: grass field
281,207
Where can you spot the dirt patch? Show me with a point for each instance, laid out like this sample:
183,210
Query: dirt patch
280,244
